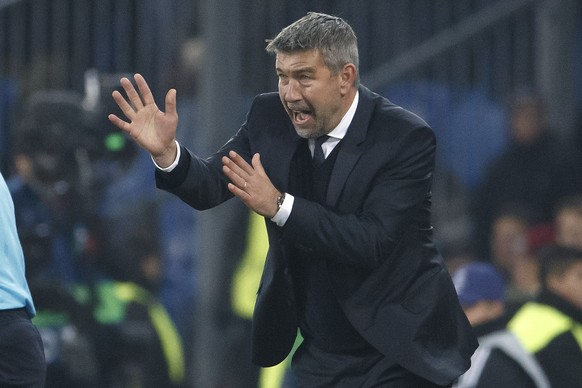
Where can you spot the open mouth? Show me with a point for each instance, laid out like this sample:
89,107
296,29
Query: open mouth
301,117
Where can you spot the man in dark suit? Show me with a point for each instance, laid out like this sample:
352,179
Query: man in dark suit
351,260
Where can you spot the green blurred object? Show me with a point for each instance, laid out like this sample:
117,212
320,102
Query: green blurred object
115,142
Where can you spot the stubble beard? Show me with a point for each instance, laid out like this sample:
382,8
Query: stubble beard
310,133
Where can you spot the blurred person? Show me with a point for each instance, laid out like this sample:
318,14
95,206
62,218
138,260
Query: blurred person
550,327
50,187
568,221
511,253
535,171
111,330
57,233
500,360
481,291
137,342
67,328
50,211
22,362
351,260
96,295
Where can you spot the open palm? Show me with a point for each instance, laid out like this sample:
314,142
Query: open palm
152,129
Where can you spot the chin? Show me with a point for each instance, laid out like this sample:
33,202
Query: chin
304,132
309,133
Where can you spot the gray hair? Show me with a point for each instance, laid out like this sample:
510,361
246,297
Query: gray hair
330,35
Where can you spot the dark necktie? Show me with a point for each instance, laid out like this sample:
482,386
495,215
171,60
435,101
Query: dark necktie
318,156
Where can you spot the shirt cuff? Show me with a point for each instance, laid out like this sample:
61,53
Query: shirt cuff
285,211
171,166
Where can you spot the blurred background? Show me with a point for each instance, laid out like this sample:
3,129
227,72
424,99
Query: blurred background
121,271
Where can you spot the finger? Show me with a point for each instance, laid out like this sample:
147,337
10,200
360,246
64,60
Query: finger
234,167
123,105
144,89
244,196
257,165
241,163
171,103
236,181
235,177
119,123
132,94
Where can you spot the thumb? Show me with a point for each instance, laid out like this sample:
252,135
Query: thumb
170,107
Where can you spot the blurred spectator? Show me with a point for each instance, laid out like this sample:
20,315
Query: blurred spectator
112,331
139,343
68,331
550,327
510,253
90,232
500,361
568,221
51,159
58,230
481,291
534,170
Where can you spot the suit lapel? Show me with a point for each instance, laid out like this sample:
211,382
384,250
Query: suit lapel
350,151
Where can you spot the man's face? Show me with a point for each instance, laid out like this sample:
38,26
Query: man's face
310,93
508,241
569,285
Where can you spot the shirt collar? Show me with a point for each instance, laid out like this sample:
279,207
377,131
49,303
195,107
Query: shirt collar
342,128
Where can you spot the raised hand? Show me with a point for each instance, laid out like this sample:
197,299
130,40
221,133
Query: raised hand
152,129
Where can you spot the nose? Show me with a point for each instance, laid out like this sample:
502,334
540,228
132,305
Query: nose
291,91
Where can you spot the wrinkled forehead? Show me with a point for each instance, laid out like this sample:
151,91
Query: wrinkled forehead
298,59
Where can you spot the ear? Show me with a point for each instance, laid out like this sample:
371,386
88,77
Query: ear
347,77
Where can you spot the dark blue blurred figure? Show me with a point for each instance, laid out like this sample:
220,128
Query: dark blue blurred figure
96,281
535,171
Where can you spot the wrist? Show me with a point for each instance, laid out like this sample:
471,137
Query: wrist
168,166
168,157
283,213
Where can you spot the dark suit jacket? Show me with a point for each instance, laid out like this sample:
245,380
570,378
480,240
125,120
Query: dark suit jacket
374,233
